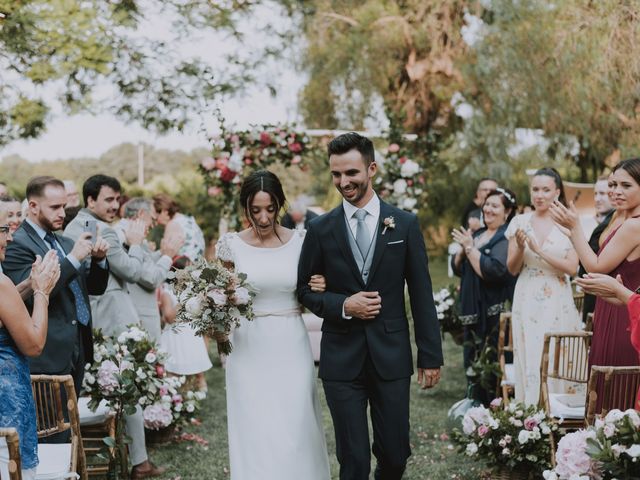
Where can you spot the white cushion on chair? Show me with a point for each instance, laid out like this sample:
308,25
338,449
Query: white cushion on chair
55,460
560,409
87,416
509,375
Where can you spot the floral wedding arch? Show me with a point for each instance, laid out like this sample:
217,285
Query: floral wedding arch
236,154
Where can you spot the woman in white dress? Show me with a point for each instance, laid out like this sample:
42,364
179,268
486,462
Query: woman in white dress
544,259
273,411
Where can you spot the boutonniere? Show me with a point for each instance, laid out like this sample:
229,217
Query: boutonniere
388,222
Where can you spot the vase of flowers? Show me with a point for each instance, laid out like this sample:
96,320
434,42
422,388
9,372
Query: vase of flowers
213,299
124,374
609,449
514,441
446,301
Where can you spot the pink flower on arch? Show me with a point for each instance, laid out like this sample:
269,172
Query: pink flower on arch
296,160
221,162
295,147
402,159
214,191
208,163
265,138
393,148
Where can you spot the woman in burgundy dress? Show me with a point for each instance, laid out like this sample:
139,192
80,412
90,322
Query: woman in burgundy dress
613,291
619,255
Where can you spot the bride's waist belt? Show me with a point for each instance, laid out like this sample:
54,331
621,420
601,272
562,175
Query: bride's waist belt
287,312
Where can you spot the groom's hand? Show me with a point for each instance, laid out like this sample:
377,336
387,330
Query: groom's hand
428,377
363,305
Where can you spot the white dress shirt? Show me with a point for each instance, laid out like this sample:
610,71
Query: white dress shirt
371,220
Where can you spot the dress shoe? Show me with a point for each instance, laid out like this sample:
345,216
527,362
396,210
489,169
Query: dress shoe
148,470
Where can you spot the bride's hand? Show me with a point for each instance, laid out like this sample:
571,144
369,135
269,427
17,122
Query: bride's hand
317,283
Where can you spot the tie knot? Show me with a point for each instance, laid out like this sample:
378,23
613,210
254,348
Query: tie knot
50,238
360,214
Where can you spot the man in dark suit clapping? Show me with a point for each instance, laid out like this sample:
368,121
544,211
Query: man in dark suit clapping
83,272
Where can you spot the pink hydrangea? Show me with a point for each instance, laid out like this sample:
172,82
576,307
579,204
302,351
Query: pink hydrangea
496,402
572,457
157,416
107,378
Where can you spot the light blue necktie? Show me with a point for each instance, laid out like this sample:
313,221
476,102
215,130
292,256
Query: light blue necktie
82,311
363,239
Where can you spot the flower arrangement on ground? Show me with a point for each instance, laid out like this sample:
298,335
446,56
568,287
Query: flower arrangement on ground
237,153
125,373
212,299
512,437
174,406
607,450
401,179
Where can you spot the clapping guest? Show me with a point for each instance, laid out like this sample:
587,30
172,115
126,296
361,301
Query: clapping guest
544,259
13,207
486,284
618,255
22,335
155,266
115,310
176,223
69,338
604,213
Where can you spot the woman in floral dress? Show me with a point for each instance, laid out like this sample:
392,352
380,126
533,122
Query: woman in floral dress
544,258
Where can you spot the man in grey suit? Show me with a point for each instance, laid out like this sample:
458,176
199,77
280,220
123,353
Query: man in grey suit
156,265
114,311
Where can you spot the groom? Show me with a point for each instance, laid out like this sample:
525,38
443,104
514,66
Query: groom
367,250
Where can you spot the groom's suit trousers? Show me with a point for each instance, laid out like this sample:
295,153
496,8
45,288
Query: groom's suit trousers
389,404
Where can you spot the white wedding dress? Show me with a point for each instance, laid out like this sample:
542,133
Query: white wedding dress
273,411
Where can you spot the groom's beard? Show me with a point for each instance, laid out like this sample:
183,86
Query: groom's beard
357,190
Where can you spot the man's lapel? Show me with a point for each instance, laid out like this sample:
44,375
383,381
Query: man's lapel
381,240
35,238
340,233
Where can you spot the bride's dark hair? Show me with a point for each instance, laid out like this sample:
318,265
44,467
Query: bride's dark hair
262,181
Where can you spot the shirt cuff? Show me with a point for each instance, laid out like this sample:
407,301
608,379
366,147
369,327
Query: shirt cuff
103,264
344,315
74,261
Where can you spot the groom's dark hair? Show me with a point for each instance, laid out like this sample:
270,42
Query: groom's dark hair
350,141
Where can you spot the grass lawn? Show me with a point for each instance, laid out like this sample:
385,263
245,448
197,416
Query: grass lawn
434,456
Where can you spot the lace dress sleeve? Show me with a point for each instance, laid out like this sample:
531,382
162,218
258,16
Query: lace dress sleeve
224,251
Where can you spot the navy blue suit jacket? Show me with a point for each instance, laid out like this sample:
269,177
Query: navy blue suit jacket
400,256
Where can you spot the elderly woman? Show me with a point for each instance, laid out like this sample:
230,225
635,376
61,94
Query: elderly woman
485,283
22,335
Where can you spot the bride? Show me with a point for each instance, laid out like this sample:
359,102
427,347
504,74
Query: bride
273,412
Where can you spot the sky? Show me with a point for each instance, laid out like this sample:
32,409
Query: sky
91,135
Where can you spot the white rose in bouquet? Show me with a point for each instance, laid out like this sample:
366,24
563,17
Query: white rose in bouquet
150,357
193,306
241,296
218,296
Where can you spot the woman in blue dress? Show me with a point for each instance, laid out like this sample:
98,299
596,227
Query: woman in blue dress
22,335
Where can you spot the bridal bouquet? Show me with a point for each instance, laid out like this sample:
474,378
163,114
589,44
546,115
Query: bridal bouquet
213,299
609,449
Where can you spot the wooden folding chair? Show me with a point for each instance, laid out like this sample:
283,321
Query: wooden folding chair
50,420
617,387
94,426
565,357
13,445
578,299
506,382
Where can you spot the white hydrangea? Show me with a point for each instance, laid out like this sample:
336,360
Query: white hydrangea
409,169
400,186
